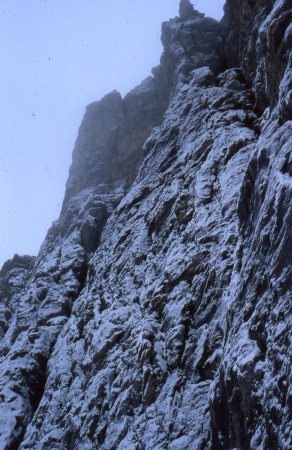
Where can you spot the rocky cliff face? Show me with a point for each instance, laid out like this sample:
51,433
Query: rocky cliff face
156,315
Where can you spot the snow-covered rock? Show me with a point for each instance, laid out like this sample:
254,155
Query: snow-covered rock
156,315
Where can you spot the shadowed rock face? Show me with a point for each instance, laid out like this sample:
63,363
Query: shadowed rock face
156,314
259,38
187,11
108,150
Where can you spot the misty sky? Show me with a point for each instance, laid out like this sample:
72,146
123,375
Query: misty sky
56,57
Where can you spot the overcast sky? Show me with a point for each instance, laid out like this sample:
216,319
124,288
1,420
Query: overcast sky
56,57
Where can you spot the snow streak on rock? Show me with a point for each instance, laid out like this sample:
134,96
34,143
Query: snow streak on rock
156,315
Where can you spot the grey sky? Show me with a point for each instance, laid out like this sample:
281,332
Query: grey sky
56,57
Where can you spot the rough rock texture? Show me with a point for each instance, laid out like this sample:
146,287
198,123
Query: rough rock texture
259,39
157,314
13,277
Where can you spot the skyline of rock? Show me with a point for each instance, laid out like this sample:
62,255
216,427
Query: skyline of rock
156,315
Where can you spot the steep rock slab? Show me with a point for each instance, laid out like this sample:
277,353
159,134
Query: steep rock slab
134,364
179,337
251,396
106,158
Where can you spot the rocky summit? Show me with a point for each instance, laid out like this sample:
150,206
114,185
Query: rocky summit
157,314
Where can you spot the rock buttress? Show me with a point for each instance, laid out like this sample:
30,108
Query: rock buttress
160,297
106,159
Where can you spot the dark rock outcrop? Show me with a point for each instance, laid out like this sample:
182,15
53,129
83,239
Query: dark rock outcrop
156,314
187,11
258,39
108,150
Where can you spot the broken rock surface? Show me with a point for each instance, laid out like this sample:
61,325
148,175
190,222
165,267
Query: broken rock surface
156,314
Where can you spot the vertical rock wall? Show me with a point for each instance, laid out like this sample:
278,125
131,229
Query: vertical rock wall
156,314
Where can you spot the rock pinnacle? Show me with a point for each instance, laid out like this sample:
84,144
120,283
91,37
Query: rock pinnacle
186,9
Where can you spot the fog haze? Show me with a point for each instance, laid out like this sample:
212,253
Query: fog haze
56,57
